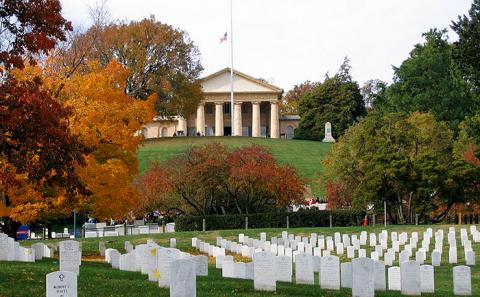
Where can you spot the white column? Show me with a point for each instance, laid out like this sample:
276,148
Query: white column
201,118
219,119
255,119
182,125
274,121
238,119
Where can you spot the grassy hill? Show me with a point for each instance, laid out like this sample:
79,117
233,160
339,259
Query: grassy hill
304,155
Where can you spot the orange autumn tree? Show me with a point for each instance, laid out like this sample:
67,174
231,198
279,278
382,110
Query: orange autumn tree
108,120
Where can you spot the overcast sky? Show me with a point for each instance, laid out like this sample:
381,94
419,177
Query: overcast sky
290,41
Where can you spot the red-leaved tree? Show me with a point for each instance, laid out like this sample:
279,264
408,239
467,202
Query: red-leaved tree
213,179
38,153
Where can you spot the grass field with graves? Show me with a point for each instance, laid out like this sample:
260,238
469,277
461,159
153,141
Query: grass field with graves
306,156
97,278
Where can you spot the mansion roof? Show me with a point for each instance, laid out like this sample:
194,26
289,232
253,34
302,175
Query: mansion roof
219,82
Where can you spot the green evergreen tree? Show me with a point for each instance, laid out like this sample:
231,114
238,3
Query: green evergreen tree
467,48
430,81
337,100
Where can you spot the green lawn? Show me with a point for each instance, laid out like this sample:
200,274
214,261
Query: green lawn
98,279
306,156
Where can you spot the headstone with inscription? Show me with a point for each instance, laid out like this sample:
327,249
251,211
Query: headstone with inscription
363,277
462,280
283,268
427,280
165,258
70,255
380,281
304,269
239,270
183,281
346,276
330,273
61,284
394,283
264,274
410,278
201,265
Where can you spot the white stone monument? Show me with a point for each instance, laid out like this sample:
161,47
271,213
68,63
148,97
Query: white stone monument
328,133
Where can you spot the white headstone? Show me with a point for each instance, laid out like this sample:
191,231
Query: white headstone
404,256
39,249
61,284
346,276
218,261
264,274
363,277
70,256
228,267
394,283
410,278
462,280
436,258
380,282
165,258
452,255
470,258
239,270
283,268
183,282
201,265
115,259
427,280
304,269
330,273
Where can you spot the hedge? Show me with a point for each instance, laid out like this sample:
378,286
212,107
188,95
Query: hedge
301,218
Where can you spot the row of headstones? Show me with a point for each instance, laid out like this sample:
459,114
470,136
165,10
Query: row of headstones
305,244
306,265
169,267
410,278
10,250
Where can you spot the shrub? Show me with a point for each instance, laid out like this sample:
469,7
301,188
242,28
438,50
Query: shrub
301,218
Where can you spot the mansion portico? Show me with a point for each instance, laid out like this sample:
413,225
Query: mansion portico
256,111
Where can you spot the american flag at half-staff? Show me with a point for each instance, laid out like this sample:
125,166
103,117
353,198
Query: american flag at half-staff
224,38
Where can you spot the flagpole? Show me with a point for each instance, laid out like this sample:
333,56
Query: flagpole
232,116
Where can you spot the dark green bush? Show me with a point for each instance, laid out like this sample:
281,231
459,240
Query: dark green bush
301,218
